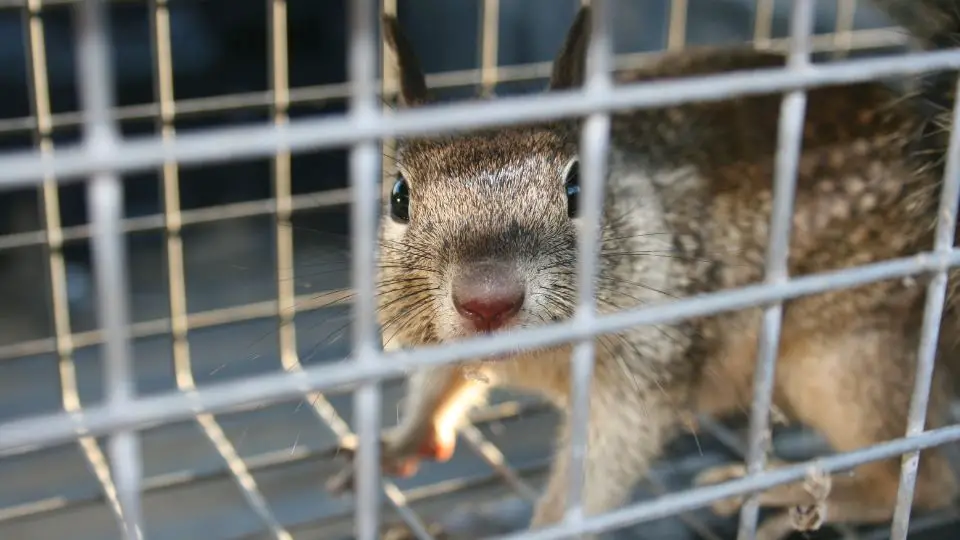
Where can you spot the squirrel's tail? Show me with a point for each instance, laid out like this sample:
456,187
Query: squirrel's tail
935,25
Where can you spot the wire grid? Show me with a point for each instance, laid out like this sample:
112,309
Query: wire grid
103,154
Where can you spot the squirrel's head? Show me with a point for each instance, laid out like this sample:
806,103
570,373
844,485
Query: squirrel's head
479,230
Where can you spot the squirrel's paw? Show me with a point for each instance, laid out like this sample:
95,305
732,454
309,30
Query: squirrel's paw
399,457
391,463
720,474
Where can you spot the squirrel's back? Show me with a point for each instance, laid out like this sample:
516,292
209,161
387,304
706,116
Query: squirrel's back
868,181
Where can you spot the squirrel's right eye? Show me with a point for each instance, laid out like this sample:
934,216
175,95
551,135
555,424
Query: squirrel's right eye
400,200
572,187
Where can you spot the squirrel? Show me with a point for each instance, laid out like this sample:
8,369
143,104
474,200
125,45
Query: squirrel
479,230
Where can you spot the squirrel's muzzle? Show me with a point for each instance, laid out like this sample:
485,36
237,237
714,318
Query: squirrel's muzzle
487,295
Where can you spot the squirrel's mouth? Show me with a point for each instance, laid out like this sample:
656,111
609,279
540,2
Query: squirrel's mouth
467,329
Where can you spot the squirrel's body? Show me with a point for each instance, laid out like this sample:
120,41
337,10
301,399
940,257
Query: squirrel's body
687,210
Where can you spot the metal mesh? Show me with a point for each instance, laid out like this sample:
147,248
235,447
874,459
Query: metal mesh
104,154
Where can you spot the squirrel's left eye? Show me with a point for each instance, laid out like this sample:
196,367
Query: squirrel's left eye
572,187
400,200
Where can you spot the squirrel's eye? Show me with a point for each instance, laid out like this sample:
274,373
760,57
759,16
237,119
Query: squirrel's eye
572,187
400,200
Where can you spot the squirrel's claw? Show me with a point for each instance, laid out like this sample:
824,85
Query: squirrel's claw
399,457
391,463
437,447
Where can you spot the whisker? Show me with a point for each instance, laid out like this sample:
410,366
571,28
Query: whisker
665,255
421,308
606,277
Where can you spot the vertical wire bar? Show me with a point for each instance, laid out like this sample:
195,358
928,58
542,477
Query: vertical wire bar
594,144
930,331
105,203
474,438
843,30
35,49
489,45
489,78
321,406
280,85
364,170
286,294
176,279
789,141
677,33
763,22
388,88
328,414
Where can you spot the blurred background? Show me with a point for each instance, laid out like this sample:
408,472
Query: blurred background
221,66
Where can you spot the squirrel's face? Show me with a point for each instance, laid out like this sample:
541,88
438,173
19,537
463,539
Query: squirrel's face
479,234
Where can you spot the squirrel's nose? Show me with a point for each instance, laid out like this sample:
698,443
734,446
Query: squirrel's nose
488,295
489,313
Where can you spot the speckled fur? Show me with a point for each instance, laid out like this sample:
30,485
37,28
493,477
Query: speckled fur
687,208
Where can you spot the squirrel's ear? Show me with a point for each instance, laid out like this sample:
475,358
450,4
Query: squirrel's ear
569,66
413,85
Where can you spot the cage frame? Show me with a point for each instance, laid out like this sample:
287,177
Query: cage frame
103,154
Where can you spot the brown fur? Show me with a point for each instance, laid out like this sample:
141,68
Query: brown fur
687,207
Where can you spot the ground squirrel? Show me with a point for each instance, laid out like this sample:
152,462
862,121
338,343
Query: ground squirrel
479,234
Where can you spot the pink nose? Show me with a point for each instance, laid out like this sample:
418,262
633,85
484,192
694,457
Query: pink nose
488,296
489,313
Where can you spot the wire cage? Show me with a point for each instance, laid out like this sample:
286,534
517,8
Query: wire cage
269,433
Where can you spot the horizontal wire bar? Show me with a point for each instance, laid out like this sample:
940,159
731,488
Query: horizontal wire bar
690,499
197,320
319,94
226,144
7,4
269,460
929,520
644,511
260,207
657,486
440,488
51,429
